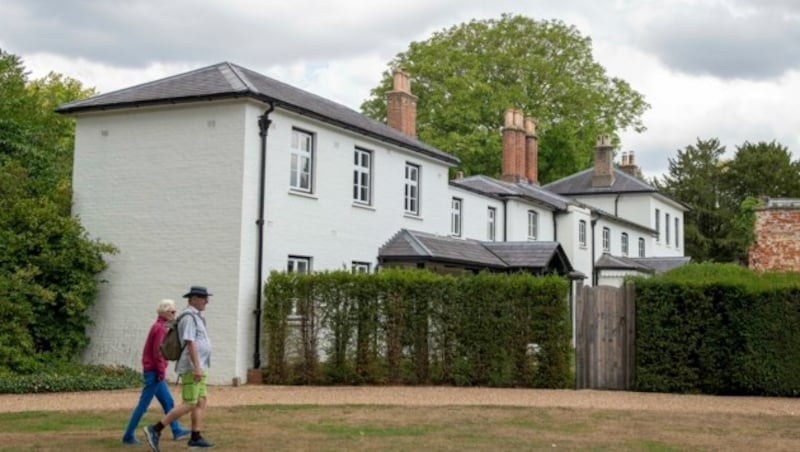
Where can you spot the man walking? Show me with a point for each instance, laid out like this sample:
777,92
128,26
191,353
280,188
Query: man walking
192,367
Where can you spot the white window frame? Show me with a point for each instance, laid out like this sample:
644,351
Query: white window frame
361,267
677,232
491,223
297,264
456,216
411,195
533,224
666,227
606,239
582,233
624,243
301,164
658,225
641,247
362,176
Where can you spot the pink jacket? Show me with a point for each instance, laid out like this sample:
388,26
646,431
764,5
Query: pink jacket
151,356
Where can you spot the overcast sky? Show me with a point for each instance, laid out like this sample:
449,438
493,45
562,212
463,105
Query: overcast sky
727,69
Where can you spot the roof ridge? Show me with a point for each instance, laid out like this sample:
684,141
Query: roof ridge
415,242
237,72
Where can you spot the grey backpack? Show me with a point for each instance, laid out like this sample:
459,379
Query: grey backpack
171,347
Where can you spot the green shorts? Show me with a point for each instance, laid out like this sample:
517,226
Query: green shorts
192,391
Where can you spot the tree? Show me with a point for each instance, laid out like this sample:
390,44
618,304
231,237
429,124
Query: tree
723,194
762,170
694,178
32,133
466,76
48,264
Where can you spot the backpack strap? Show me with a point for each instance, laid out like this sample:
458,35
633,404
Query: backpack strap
177,325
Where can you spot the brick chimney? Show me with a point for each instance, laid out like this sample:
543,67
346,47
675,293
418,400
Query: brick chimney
513,146
628,165
531,151
603,175
401,105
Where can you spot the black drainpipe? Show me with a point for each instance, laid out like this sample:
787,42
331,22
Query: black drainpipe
263,128
594,270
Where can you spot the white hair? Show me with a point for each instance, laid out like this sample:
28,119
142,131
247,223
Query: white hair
165,305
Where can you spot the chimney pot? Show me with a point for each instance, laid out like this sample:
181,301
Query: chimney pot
401,81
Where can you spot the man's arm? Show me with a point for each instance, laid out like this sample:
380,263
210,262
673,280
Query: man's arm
195,357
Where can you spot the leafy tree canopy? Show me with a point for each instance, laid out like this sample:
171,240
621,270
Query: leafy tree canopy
466,76
722,194
48,265
32,133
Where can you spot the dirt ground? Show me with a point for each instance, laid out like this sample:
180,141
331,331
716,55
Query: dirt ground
229,396
448,419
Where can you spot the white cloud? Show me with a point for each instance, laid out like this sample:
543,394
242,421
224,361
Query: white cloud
709,68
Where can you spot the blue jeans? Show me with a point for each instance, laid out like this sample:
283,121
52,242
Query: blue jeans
152,388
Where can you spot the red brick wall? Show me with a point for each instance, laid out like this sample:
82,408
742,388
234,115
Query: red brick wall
777,240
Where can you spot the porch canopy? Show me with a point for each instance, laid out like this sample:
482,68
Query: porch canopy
437,252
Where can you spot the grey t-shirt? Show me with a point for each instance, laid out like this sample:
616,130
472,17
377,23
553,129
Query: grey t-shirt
192,327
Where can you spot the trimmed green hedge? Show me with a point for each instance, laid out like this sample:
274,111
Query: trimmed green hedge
417,327
718,329
70,377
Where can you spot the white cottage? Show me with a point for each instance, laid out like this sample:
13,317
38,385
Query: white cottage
220,175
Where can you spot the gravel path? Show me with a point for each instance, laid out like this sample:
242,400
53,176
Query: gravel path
416,396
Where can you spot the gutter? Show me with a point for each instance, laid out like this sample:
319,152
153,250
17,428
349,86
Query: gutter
263,129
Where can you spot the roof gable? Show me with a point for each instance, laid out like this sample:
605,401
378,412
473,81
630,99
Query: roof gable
227,80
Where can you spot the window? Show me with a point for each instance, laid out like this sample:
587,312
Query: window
302,161
624,243
298,264
361,267
533,224
677,234
658,225
582,233
641,247
491,223
362,176
666,227
412,189
606,239
455,217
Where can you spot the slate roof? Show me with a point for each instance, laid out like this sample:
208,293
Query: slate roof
495,187
663,264
408,245
642,264
581,184
226,80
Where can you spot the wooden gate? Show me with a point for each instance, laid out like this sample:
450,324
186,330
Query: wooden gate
605,337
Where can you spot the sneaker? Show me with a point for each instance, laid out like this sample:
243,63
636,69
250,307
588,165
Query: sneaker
178,434
201,442
131,442
152,437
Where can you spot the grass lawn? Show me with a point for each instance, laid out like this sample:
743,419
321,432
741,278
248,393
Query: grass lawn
394,428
